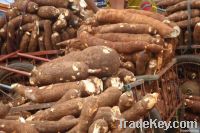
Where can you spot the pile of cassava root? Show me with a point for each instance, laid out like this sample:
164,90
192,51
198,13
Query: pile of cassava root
87,88
176,10
37,25
145,40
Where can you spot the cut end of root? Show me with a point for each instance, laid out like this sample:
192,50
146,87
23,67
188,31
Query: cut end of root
116,82
176,32
89,86
32,81
152,100
13,86
198,24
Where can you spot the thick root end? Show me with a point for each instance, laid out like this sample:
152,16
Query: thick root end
152,100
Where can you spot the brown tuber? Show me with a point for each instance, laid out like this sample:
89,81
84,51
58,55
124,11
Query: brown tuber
20,126
88,112
54,92
99,126
111,115
60,24
70,94
48,12
55,38
61,125
116,16
125,75
58,72
34,38
47,34
125,28
121,47
57,3
140,108
23,46
126,100
196,33
109,97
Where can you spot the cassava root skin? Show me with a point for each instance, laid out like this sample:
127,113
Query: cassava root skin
196,33
54,92
34,38
88,112
16,126
124,28
62,125
58,72
106,63
100,126
111,115
121,47
116,16
140,108
23,47
58,3
74,106
48,12
126,100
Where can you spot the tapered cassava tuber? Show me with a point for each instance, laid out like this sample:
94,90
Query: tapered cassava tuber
140,108
109,97
16,126
99,126
125,28
88,112
62,125
25,5
47,34
55,38
34,38
141,59
58,3
166,3
196,33
125,75
70,94
57,111
58,72
102,61
183,6
117,16
154,15
54,92
124,37
23,47
183,15
183,24
121,47
126,100
48,12
111,115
